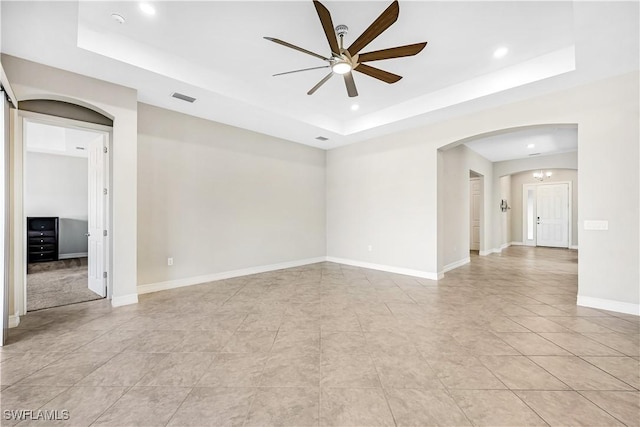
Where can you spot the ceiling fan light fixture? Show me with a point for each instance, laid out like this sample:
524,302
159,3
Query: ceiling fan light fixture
343,61
341,67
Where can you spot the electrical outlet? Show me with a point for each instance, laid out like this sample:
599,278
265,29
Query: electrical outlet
169,261
370,248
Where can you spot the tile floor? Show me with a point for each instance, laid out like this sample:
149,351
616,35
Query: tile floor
497,342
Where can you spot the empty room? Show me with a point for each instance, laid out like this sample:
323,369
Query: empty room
320,213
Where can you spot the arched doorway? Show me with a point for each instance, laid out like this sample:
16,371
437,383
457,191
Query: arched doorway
497,156
74,256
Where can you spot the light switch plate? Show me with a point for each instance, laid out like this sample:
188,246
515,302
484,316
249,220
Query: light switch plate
596,225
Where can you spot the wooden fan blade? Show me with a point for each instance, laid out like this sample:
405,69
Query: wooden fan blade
327,25
377,73
351,85
289,45
320,83
384,21
298,71
394,52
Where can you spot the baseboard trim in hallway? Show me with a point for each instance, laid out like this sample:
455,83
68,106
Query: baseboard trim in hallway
387,268
456,264
14,320
119,301
610,305
197,280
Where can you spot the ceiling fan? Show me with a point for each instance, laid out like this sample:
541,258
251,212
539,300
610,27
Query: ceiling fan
343,61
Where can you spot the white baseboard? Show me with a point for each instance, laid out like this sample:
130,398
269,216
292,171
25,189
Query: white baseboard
387,268
190,281
14,320
573,247
456,264
517,243
119,301
487,252
610,305
77,255
494,250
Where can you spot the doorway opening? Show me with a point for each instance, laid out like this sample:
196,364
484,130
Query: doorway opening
65,211
476,197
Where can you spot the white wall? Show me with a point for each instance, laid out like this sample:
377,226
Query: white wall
385,189
454,186
505,217
57,185
218,198
30,80
559,175
382,193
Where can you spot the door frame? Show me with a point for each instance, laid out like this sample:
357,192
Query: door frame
525,188
20,222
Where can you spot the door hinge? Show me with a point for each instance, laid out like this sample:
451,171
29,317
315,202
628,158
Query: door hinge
105,149
104,232
105,191
104,275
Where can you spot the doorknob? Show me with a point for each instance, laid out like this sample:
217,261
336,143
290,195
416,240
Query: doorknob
538,221
87,234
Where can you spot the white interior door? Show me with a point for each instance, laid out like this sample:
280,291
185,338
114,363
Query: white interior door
552,227
475,189
95,235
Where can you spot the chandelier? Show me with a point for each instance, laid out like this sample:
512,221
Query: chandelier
541,175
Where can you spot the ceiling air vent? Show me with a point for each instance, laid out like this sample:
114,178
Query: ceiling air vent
183,97
321,138
534,154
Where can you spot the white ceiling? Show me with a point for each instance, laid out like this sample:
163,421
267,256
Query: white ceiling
215,52
520,144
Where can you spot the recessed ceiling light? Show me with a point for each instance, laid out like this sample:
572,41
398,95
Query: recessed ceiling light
147,8
500,52
355,107
118,18
531,146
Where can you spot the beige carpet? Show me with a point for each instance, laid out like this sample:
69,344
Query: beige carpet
56,283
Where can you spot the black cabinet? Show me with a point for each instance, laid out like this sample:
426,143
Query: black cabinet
42,239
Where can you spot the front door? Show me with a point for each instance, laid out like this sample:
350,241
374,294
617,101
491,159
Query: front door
552,227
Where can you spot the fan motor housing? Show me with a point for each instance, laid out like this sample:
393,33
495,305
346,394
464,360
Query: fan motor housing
342,30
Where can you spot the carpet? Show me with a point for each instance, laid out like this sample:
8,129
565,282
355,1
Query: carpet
57,283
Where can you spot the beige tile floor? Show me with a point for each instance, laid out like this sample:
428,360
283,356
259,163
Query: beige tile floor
499,342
